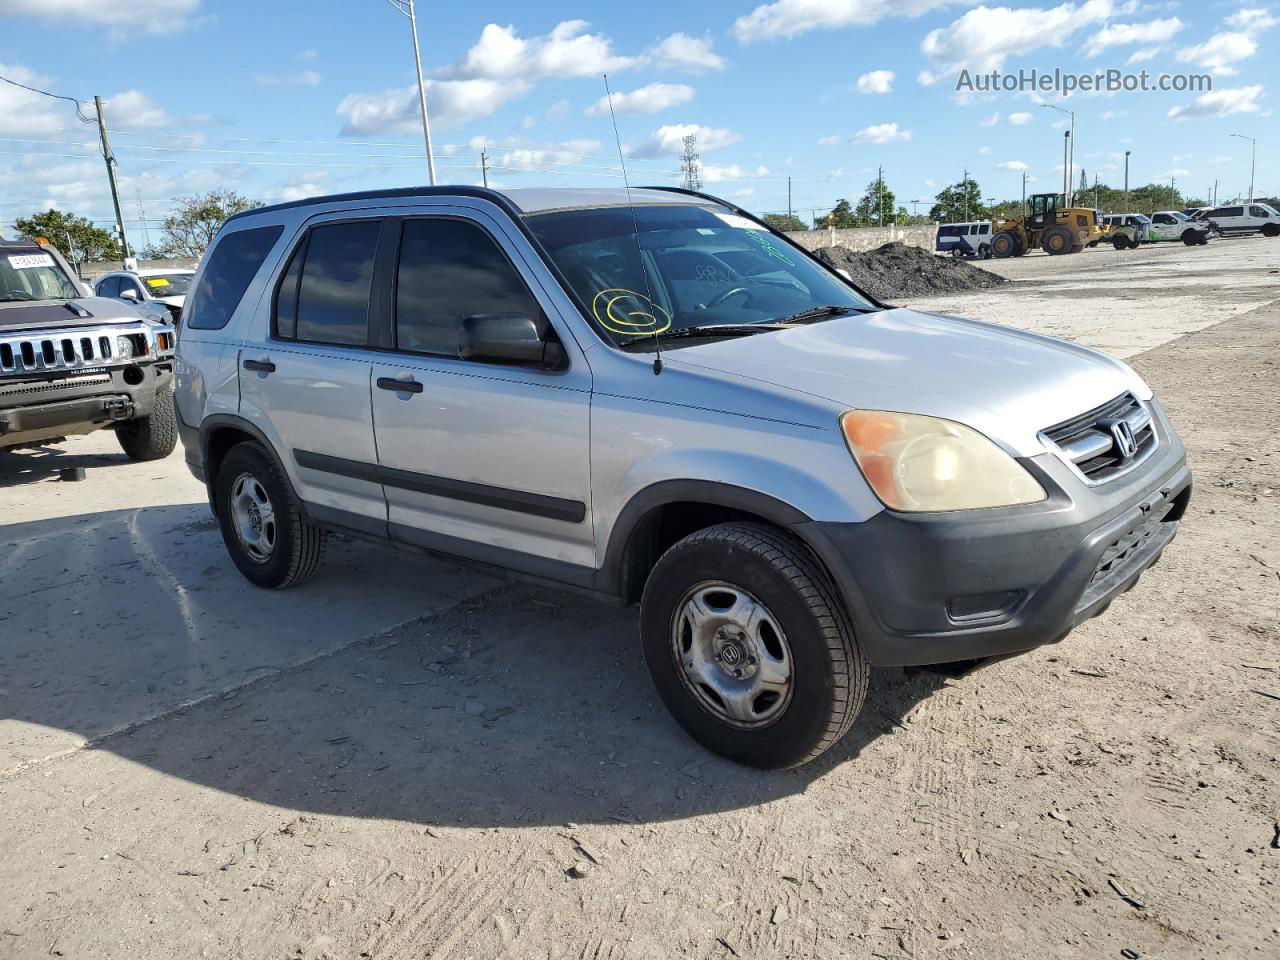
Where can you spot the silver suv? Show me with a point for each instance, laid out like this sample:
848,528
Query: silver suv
654,397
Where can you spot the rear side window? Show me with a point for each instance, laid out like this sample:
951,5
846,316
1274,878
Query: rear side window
227,274
109,287
450,270
324,295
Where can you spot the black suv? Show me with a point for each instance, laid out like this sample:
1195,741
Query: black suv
73,364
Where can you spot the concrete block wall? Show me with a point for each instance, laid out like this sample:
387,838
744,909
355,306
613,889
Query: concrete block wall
866,238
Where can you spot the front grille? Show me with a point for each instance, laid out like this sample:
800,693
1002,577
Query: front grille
1090,441
70,350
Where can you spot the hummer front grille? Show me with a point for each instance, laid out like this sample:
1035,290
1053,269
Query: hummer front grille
77,349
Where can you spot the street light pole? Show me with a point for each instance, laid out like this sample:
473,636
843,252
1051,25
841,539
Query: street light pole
405,7
1253,162
1126,179
1068,155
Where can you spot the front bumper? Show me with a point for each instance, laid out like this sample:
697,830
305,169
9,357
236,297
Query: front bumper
34,410
935,588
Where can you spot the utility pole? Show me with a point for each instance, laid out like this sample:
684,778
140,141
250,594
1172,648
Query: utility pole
1066,169
789,214
405,8
1215,193
1068,151
880,192
1095,191
484,166
1253,163
142,215
964,188
1126,180
1024,194
110,159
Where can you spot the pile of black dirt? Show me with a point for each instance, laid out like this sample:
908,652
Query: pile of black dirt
895,271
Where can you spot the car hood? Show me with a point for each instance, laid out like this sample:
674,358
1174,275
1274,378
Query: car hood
30,314
1005,383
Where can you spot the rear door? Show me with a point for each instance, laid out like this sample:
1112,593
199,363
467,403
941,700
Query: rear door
306,373
484,460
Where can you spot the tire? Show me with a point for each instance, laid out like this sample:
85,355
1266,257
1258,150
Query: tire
1057,241
801,630
1005,244
1120,243
153,437
957,253
1271,230
984,252
288,547
1190,237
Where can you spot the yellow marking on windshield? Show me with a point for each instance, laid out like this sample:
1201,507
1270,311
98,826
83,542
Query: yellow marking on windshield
610,307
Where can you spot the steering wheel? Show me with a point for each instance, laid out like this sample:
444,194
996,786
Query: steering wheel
720,298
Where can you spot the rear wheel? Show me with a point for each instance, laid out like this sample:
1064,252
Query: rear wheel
152,437
270,540
984,251
1057,241
1120,243
1190,237
1271,230
749,646
1005,244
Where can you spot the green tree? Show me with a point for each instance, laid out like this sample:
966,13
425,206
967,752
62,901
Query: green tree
958,203
840,217
87,242
877,206
784,222
189,229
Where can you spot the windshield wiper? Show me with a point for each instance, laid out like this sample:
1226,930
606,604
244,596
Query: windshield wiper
823,312
706,330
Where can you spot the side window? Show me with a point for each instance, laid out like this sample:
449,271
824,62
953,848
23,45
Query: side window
332,279
1233,212
1257,212
109,287
450,270
227,274
128,283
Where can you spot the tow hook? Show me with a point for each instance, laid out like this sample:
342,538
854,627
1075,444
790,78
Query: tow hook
119,408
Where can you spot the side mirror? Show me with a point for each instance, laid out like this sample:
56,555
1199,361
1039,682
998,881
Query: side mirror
130,295
510,338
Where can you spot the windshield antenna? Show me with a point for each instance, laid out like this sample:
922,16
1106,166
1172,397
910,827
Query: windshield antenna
635,230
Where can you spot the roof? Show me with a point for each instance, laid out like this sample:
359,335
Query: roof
526,200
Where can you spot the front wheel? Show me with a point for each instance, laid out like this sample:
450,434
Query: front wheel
152,437
1006,244
1190,237
1271,230
750,647
269,538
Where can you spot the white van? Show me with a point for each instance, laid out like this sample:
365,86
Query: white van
972,239
1243,219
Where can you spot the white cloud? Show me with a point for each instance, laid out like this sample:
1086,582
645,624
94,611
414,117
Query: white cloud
683,52
983,37
931,183
1220,52
567,51
298,78
22,111
1129,34
1012,165
669,139
990,121
1020,119
1252,18
712,173
148,16
451,103
133,108
647,99
1143,55
540,157
984,151
829,141
881,133
877,81
789,18
1221,103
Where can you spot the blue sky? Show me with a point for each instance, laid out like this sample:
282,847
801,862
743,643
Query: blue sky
278,103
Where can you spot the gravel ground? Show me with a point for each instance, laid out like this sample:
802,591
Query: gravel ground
895,270
432,789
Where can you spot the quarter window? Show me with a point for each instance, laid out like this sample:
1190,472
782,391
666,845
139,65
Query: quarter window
228,272
450,270
324,296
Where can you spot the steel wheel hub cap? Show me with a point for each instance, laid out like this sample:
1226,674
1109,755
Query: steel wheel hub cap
253,517
732,655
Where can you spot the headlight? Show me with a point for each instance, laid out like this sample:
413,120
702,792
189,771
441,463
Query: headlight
916,463
124,348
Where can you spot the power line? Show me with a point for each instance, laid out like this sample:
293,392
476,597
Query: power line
56,96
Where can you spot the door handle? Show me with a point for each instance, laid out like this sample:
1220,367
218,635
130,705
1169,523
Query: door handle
399,386
261,366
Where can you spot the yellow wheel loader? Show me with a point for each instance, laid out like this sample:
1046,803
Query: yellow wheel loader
1050,225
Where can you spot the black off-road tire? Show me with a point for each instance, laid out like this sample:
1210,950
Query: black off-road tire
1006,244
1057,241
300,544
1271,230
153,437
829,671
1190,238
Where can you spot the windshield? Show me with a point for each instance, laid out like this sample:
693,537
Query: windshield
169,285
666,268
33,274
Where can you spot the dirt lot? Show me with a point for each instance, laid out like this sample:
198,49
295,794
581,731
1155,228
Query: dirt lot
404,760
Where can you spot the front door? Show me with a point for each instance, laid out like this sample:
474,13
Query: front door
485,460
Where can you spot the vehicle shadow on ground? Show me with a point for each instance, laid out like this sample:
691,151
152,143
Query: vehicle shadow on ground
39,463
520,705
